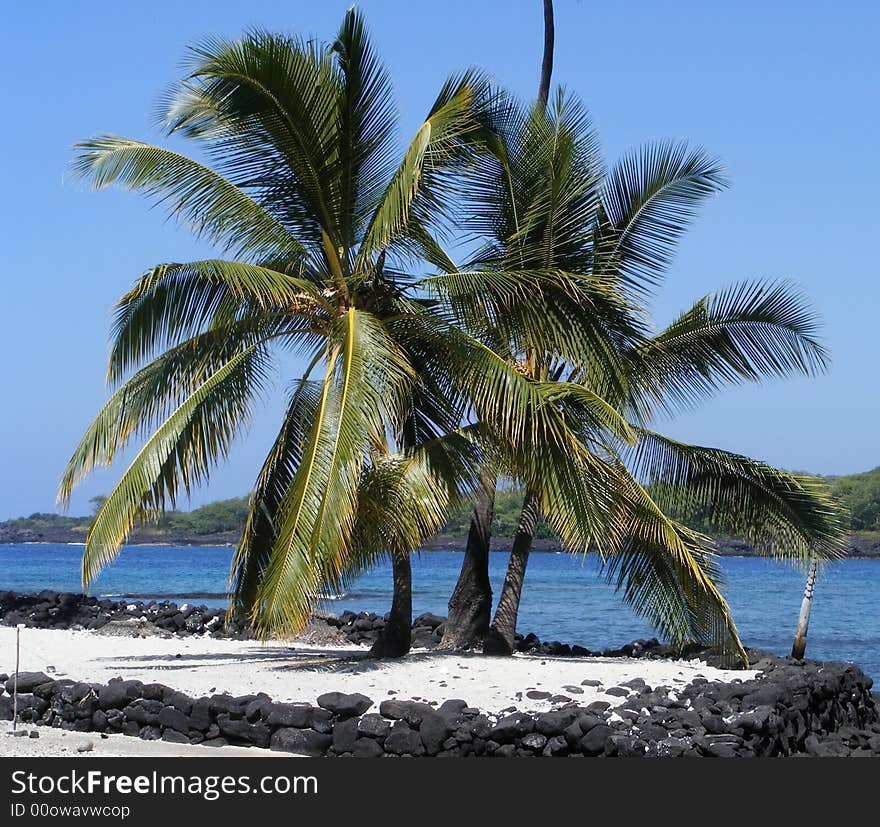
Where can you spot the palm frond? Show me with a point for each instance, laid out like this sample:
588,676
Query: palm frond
211,206
367,121
177,300
649,199
180,453
668,573
785,515
366,376
559,173
147,399
266,108
576,318
254,552
450,123
747,332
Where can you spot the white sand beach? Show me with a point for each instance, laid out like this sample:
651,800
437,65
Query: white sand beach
300,672
60,743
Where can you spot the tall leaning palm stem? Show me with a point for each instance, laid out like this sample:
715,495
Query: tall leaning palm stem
396,636
500,638
800,636
470,606
467,623
547,60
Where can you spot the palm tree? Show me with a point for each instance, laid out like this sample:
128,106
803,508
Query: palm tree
799,647
544,201
325,227
305,190
470,604
411,384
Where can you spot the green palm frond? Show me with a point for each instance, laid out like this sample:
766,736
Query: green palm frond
588,415
367,126
180,453
559,169
555,312
536,193
177,300
747,332
266,108
668,573
254,552
576,498
146,399
401,502
650,197
366,377
422,245
785,515
404,498
450,124
211,206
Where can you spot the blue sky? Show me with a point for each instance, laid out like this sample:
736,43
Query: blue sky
784,92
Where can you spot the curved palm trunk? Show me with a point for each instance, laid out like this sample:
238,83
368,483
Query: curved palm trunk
500,640
471,601
470,606
394,640
800,636
547,61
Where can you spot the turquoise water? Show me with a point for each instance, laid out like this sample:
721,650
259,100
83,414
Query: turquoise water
563,599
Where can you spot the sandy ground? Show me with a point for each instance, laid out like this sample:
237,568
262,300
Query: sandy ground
204,666
59,743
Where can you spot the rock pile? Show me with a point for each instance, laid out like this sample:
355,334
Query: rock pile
64,610
822,709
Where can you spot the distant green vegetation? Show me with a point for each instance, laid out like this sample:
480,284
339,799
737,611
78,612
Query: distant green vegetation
213,518
508,504
859,492
40,521
229,516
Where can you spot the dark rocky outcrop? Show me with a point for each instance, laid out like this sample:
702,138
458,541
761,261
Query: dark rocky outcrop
791,708
63,610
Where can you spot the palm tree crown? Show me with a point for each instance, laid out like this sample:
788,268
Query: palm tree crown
543,199
322,219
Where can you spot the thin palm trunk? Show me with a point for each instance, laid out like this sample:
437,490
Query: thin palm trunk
471,602
470,606
547,61
395,639
500,639
800,636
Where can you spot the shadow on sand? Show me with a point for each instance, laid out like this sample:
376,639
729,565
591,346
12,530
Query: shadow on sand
276,659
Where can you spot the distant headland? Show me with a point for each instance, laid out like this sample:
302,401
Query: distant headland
221,522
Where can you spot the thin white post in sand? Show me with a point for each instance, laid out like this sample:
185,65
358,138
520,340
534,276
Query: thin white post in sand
18,629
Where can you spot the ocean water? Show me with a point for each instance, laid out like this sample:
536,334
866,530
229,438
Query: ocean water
564,597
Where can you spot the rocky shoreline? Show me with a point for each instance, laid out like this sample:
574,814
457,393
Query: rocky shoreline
858,547
65,610
792,708
788,708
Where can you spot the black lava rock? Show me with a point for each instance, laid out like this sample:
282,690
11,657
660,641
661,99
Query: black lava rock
300,741
344,705
290,715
